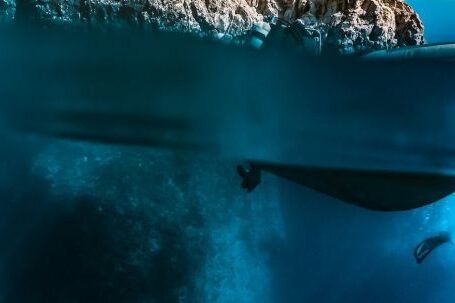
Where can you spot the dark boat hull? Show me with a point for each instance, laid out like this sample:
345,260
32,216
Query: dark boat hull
376,190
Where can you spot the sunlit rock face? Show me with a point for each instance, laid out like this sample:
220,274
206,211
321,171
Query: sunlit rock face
232,17
359,25
347,26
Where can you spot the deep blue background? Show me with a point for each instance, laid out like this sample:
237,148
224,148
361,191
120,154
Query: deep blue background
438,19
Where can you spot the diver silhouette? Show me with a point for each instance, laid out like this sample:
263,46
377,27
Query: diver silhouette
428,245
251,177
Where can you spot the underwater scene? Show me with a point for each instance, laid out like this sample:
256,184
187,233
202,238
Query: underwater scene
237,151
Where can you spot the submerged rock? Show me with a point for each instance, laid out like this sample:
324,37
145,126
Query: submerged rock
7,10
348,26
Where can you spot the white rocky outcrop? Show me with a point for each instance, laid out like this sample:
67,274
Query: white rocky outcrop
347,25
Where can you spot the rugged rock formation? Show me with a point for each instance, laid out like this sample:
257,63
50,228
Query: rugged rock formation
233,17
347,25
358,25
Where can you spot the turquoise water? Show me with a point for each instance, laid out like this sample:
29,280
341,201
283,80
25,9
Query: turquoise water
438,19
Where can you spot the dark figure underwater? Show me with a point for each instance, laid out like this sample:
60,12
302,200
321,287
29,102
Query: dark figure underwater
251,178
428,245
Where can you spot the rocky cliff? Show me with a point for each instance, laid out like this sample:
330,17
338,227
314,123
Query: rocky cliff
347,25
359,25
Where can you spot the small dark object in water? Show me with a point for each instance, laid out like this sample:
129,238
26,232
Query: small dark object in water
251,177
428,245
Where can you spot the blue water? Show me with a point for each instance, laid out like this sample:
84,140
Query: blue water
93,223
438,19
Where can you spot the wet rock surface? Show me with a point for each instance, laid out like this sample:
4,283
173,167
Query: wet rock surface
355,26
207,17
347,26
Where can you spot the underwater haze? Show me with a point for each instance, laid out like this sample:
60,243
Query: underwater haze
96,223
88,222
